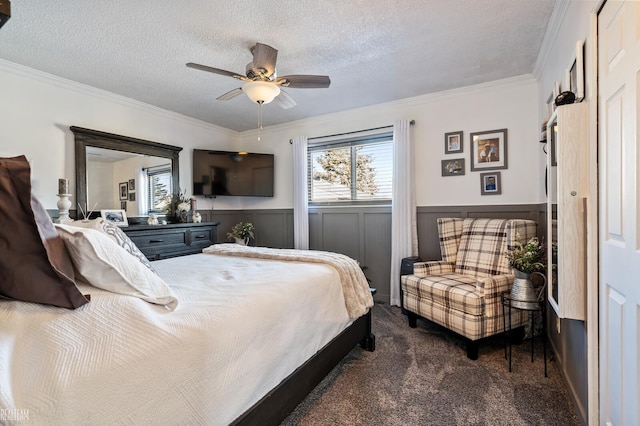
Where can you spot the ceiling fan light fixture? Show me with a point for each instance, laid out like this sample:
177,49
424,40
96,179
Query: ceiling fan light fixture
261,91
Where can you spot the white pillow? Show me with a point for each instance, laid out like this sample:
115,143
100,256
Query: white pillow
116,234
106,265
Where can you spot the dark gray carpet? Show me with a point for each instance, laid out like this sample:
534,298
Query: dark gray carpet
422,376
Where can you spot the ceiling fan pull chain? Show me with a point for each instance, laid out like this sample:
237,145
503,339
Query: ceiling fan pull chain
260,120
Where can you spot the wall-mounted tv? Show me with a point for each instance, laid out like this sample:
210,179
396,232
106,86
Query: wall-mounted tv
232,173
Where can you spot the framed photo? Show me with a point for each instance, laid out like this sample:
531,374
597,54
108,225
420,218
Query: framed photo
489,150
132,184
124,190
132,196
551,103
553,147
453,167
452,142
116,217
556,92
123,205
575,73
490,183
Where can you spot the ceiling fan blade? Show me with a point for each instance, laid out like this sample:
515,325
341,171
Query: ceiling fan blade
305,81
230,94
216,71
284,101
264,57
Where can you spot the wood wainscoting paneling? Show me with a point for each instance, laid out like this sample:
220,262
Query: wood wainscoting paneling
363,233
428,245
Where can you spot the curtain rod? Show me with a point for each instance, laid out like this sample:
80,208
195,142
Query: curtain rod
412,122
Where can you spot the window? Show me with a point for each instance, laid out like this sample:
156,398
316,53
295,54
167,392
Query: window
158,187
354,171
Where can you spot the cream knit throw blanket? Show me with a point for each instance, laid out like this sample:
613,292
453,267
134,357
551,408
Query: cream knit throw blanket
357,296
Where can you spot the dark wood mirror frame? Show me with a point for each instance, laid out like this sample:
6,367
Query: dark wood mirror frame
87,137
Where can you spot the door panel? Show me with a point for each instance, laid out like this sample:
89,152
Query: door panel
619,281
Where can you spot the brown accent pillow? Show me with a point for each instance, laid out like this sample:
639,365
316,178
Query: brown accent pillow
34,265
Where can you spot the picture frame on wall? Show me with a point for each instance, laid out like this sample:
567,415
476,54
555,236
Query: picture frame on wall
551,105
575,73
132,184
123,205
132,196
453,167
453,142
556,92
116,217
124,190
490,183
489,150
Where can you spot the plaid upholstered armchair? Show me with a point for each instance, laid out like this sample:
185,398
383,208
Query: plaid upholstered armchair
462,291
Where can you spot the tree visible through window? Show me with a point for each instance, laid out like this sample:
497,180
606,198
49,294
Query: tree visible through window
351,171
159,186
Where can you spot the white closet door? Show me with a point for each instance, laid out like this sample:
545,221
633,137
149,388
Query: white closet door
619,94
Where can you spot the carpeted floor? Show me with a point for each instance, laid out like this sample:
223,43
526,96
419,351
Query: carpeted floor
422,376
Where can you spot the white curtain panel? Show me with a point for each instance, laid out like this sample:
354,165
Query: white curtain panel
300,200
404,234
141,192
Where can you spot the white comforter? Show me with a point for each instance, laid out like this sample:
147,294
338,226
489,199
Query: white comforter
241,327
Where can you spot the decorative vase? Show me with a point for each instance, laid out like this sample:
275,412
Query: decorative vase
63,206
182,216
241,241
523,295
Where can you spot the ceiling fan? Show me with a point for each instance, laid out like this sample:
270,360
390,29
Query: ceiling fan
261,84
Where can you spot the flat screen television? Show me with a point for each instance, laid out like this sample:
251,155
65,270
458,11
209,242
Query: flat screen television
232,173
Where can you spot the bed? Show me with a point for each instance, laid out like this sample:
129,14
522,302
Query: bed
231,336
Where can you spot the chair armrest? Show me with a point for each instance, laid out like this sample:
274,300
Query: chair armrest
490,288
437,267
494,285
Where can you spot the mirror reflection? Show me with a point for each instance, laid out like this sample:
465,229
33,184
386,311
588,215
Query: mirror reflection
552,218
116,172
133,182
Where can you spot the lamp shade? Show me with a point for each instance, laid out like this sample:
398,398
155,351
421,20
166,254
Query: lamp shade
261,91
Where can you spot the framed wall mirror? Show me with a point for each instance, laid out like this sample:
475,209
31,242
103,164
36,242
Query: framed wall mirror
110,167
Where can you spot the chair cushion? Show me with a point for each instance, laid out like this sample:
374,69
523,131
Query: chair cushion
483,248
452,291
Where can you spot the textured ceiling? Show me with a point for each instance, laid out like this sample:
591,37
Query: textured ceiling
374,51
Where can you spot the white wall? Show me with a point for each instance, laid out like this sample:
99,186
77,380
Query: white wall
560,51
37,110
575,342
510,104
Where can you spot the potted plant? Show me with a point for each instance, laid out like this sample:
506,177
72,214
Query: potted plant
177,206
241,232
527,259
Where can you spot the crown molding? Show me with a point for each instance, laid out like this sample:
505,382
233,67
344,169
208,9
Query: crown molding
553,28
66,84
371,110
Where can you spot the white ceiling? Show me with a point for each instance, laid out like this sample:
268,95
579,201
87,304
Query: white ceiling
375,51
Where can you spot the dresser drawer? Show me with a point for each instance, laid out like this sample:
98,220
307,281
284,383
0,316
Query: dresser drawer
169,237
201,237
159,242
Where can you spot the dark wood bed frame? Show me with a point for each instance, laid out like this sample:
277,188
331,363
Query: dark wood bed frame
275,406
